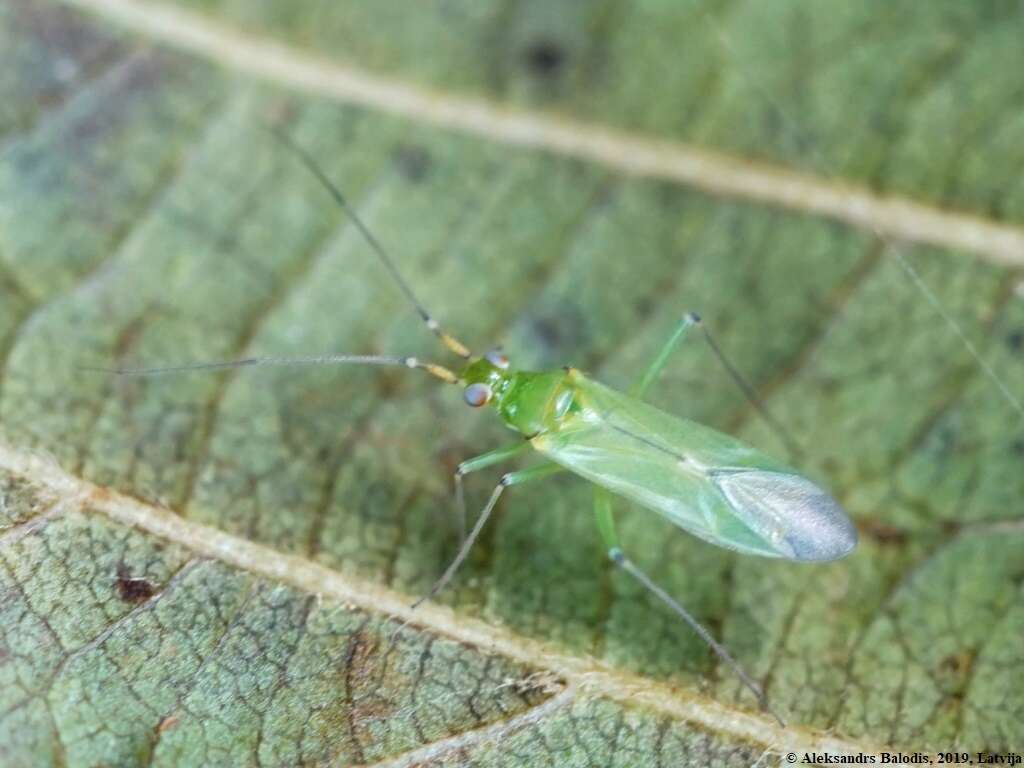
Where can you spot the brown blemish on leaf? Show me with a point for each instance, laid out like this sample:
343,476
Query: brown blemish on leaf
100,495
363,707
167,723
133,589
361,659
958,664
951,527
882,532
375,710
388,384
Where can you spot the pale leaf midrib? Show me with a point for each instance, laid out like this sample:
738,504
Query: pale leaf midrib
585,675
713,172
489,734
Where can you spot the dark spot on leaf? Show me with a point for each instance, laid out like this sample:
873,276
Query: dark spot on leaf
830,465
561,332
413,162
388,384
548,331
1017,446
956,663
883,533
133,589
828,385
953,701
544,58
362,672
643,306
362,656
1015,340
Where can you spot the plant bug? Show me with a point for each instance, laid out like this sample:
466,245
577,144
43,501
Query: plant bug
706,482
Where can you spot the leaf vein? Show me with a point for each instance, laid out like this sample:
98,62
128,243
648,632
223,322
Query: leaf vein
585,675
714,172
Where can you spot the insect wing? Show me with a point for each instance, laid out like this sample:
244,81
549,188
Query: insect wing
708,483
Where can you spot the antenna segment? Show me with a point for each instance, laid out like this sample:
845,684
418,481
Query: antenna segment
437,371
446,338
892,247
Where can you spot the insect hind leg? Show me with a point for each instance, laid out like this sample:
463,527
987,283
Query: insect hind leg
606,525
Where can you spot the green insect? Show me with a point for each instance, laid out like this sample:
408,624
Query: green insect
704,481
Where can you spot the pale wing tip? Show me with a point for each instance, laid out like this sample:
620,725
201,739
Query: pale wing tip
835,536
795,517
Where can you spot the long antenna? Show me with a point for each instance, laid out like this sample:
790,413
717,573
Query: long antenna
437,371
893,247
310,163
783,434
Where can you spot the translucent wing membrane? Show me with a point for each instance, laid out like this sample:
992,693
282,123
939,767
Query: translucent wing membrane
798,517
706,482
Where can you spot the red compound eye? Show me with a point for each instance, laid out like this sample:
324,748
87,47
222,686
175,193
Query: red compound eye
477,395
497,359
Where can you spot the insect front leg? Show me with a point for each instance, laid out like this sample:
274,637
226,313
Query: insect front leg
606,525
507,480
475,464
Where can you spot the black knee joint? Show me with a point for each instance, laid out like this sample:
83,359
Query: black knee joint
506,480
693,317
616,555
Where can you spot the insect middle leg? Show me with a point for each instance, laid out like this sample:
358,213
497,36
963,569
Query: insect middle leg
606,525
507,480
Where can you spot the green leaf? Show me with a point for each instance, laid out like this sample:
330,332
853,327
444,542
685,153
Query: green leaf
217,569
